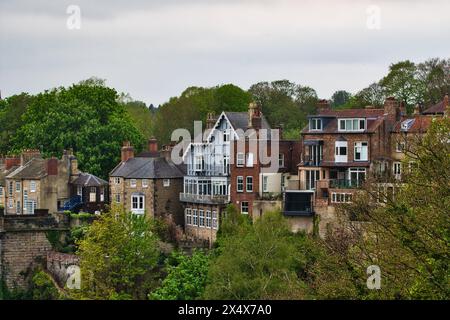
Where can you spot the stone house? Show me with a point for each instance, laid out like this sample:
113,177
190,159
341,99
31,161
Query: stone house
148,183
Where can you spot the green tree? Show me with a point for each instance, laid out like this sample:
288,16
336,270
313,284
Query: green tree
85,117
142,117
434,74
186,277
340,98
119,257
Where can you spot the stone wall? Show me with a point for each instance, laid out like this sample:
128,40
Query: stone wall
58,264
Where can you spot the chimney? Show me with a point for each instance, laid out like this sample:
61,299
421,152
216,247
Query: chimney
445,101
74,166
153,144
167,151
323,105
11,162
127,151
390,106
417,109
254,116
52,167
210,120
29,154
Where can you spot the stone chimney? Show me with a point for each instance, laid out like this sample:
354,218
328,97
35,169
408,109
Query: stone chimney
167,151
127,151
52,166
29,154
11,162
153,144
254,116
390,107
323,105
211,120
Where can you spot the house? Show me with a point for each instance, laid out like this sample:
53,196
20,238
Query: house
148,183
224,168
438,109
91,191
33,183
340,149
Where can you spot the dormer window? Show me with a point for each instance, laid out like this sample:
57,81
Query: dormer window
315,124
357,124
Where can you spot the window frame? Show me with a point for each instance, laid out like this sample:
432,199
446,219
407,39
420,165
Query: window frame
351,122
240,184
133,183
242,207
166,183
240,159
247,183
361,150
313,124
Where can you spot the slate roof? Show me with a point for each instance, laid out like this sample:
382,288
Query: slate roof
33,169
239,120
89,180
418,124
350,113
4,173
438,108
148,168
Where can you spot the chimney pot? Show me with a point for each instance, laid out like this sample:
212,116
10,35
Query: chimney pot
127,151
153,144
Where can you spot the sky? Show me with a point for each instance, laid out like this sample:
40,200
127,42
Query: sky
154,49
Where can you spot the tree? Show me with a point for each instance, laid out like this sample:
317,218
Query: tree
402,83
186,277
434,74
141,116
340,98
373,95
257,264
118,257
85,117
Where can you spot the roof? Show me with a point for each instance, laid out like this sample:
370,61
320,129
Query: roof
438,108
33,169
239,120
415,124
350,113
4,173
148,168
89,180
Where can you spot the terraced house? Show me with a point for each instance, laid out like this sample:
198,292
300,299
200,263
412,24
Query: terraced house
148,183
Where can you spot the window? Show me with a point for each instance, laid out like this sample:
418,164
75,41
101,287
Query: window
30,206
208,219
240,159
358,124
1,191
315,124
166,182
195,218
341,197
357,176
265,183
249,159
361,151
32,186
226,135
311,177
10,203
341,151
399,147
281,160
117,197
10,188
144,183
117,180
137,204
18,207
397,170
201,220
240,184
249,184
17,186
283,182
188,217
79,191
244,207
198,162
93,194
214,220
133,183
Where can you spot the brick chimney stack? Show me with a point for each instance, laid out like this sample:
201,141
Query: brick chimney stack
11,162
29,154
153,144
254,116
127,151
323,105
390,107
211,120
52,167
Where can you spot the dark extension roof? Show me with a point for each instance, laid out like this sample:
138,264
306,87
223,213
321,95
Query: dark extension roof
239,120
147,168
89,180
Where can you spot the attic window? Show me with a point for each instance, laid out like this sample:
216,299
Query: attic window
315,124
356,124
407,124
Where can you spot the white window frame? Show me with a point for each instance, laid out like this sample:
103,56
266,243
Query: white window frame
240,159
340,197
242,207
194,217
198,162
18,207
140,204
247,183
188,216
144,183
215,220
249,160
208,219
400,147
281,160
92,194
79,191
344,124
133,183
166,182
117,180
397,169
10,203
314,124
32,186
10,188
265,184
338,157
240,183
18,187
1,191
117,197
201,218
359,148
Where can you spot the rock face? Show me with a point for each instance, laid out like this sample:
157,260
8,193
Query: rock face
23,244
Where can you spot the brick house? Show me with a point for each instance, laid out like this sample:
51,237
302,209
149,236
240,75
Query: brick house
33,183
148,183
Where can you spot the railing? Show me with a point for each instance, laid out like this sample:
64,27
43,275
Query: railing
210,171
345,183
72,203
204,198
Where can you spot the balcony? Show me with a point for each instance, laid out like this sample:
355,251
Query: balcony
204,198
345,184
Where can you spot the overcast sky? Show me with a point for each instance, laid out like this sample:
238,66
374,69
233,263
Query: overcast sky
155,49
